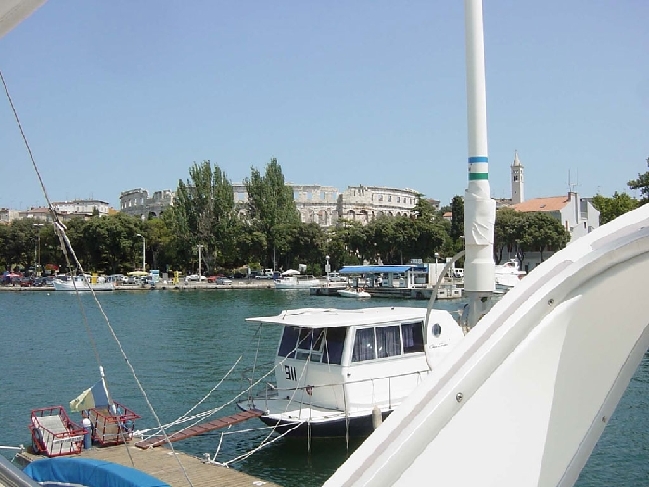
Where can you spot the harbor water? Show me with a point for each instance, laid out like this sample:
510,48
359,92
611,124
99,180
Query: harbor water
181,344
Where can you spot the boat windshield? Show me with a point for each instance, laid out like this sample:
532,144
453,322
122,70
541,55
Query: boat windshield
315,344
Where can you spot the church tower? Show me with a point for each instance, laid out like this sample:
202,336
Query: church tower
518,188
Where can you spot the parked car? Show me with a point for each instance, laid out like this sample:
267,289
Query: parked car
26,281
223,281
39,282
335,277
196,277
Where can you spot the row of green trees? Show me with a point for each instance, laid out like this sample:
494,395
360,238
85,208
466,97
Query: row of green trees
266,231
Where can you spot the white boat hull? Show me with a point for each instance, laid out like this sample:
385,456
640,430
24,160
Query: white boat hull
352,293
298,285
60,285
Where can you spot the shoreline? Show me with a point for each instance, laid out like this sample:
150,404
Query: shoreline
181,286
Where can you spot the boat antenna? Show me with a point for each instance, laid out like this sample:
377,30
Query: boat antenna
479,207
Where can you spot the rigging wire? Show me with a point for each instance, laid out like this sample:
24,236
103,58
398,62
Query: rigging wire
60,229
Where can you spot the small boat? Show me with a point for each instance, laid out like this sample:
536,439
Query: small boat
79,283
339,371
508,274
296,281
353,293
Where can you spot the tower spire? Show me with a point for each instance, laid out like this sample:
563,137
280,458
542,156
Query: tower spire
518,188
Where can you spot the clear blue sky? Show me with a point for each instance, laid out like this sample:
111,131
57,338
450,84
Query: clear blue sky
121,94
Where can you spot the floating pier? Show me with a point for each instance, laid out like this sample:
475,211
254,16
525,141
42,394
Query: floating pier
162,463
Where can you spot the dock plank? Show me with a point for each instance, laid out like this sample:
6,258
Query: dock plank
200,428
167,466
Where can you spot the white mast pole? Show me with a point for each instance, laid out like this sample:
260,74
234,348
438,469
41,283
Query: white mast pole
479,208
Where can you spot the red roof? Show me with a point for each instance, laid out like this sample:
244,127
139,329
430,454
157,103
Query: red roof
553,203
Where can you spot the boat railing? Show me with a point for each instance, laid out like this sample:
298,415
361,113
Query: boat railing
273,392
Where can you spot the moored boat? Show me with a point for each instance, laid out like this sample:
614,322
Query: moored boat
353,293
507,275
295,281
337,369
79,283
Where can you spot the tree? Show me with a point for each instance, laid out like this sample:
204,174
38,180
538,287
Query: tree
457,220
610,208
642,183
424,209
508,232
204,213
270,203
543,232
20,240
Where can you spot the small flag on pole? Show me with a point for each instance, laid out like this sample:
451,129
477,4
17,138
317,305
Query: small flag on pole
96,396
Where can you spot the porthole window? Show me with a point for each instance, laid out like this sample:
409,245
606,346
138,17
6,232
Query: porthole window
437,330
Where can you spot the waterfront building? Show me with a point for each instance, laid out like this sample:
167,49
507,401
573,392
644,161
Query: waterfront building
7,215
83,208
66,210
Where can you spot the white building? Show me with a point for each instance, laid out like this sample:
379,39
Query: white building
323,205
81,207
577,215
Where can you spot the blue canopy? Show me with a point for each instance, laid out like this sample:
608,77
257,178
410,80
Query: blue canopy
375,269
90,473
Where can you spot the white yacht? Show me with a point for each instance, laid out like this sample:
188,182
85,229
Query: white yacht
335,369
296,281
508,274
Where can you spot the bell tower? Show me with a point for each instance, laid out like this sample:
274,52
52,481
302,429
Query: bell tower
518,187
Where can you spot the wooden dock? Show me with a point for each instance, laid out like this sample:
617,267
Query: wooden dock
200,428
166,465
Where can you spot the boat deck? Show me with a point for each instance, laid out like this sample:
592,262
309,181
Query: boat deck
166,466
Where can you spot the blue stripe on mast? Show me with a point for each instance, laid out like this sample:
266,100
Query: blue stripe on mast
475,159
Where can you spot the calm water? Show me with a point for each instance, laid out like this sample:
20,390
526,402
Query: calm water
182,343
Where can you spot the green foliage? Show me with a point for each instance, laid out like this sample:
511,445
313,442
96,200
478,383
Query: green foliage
610,208
457,220
271,209
642,183
204,213
517,233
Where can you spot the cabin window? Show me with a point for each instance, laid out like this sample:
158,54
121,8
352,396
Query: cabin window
364,344
333,346
310,344
388,341
412,335
289,341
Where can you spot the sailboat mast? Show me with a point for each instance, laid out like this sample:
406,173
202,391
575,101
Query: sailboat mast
479,208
